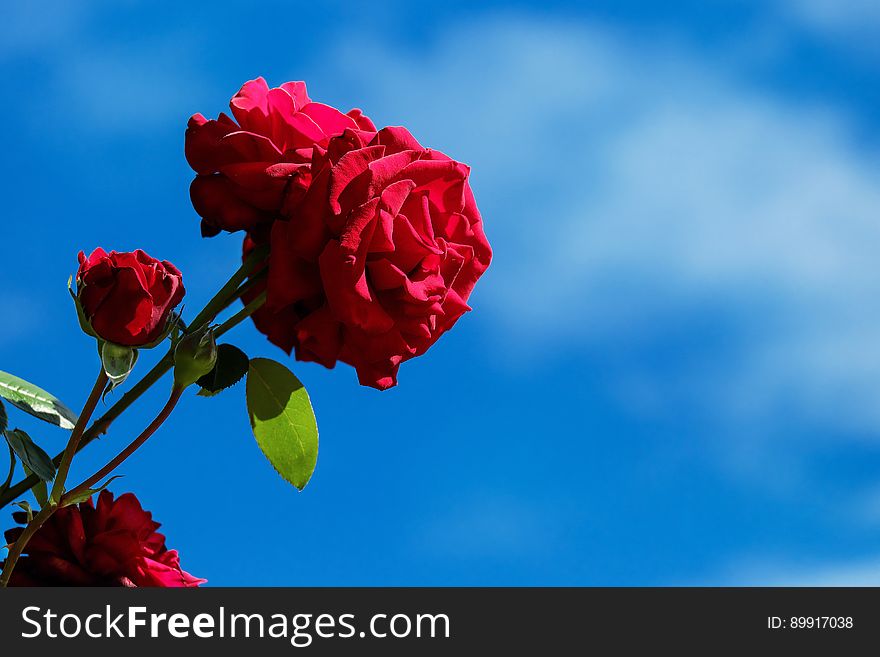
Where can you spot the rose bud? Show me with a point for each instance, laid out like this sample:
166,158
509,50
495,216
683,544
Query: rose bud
127,298
379,258
194,357
112,544
250,171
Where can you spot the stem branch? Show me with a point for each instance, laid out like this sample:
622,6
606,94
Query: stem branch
80,437
223,299
241,315
176,392
227,293
128,451
76,436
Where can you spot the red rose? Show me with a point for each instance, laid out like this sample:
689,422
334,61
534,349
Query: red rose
249,171
127,297
113,544
378,259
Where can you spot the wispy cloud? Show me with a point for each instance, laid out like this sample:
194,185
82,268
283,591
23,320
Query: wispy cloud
836,17
865,572
628,184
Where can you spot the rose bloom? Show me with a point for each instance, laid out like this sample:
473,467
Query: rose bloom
112,544
379,257
127,298
252,170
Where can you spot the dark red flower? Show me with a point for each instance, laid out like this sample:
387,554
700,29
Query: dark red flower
112,544
379,257
250,171
127,297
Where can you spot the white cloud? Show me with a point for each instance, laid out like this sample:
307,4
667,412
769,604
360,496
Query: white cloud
864,572
627,185
838,17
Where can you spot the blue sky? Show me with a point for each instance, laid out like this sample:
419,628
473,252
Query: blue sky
671,372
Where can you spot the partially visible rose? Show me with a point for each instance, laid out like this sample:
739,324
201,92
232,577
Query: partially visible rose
127,298
379,258
112,544
251,171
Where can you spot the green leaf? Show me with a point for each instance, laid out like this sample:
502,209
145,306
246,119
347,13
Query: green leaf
31,454
118,362
88,492
4,420
35,401
232,364
40,490
282,420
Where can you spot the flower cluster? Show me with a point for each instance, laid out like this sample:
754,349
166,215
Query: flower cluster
361,246
375,241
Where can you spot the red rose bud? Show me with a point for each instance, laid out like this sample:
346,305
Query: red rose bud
250,171
112,544
379,258
194,357
127,298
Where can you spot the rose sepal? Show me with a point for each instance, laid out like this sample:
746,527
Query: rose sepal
173,324
87,493
84,323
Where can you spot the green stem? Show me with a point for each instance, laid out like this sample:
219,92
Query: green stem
256,260
76,435
241,315
250,284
